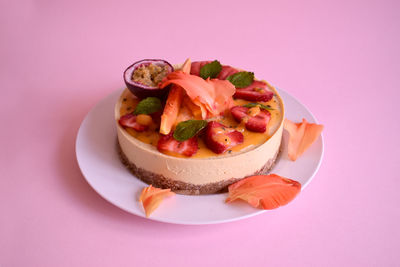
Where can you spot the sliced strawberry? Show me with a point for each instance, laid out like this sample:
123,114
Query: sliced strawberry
257,91
196,66
226,71
257,123
167,143
220,138
129,120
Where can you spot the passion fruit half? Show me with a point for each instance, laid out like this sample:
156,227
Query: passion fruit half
142,77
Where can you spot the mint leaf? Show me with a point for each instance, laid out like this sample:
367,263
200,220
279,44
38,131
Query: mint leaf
251,105
210,70
241,79
187,129
148,105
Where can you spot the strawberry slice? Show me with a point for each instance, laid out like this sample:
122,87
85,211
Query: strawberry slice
257,123
220,138
257,91
129,120
167,144
226,71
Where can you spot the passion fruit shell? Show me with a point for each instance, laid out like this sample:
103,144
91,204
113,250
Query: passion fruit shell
142,90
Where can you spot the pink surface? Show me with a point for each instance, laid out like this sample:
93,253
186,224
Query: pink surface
340,58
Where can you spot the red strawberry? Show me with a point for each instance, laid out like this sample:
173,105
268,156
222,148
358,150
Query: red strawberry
257,91
220,138
257,123
167,143
196,66
226,71
129,120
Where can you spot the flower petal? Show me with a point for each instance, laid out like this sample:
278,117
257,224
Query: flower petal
302,135
151,197
264,191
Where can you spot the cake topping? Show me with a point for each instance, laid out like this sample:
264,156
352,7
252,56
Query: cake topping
187,129
256,91
264,191
167,144
212,94
151,197
241,79
130,120
200,92
226,72
173,104
148,105
142,77
301,136
210,70
222,75
150,75
260,105
255,119
219,138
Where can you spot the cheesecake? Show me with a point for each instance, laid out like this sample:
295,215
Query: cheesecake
200,142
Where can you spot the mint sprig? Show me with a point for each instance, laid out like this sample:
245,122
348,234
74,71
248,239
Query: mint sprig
148,105
251,105
187,129
210,70
241,79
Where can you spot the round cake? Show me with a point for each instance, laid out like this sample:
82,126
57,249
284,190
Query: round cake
217,125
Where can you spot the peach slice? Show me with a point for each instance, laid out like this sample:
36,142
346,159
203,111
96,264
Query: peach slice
151,197
302,135
264,191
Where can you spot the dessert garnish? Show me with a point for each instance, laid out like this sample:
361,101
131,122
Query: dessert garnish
241,79
131,121
173,104
139,119
167,144
187,129
257,91
151,197
142,77
148,105
254,118
260,105
301,136
211,95
264,191
220,138
210,70
200,95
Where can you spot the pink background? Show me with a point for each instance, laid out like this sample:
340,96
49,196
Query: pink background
340,58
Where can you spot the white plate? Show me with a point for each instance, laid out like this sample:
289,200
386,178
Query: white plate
99,162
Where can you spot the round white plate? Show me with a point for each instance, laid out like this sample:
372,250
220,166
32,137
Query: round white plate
99,162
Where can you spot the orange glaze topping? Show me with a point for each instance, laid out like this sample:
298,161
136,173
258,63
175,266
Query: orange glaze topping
251,139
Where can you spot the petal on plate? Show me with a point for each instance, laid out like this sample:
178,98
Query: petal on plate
264,191
151,197
302,135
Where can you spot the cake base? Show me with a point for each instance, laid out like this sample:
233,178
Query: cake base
158,180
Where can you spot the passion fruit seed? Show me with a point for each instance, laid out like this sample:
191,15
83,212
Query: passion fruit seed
142,77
